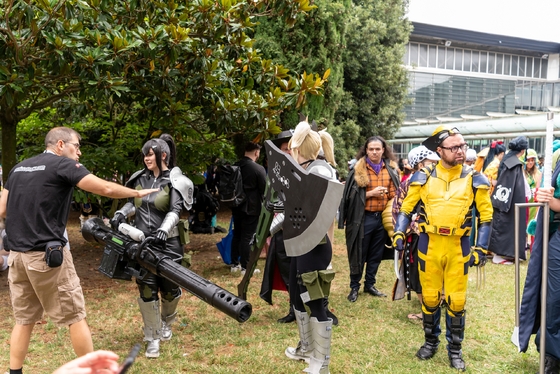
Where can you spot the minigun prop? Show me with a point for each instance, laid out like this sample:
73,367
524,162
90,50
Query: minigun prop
124,258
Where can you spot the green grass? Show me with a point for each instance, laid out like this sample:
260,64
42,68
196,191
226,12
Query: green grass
374,334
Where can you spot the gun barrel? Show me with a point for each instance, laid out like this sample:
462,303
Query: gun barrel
160,264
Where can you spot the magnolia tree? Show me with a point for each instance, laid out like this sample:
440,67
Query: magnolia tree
131,69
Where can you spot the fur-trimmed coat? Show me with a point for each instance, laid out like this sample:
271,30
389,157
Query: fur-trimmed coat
352,209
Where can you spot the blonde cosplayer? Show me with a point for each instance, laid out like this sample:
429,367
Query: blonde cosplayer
305,144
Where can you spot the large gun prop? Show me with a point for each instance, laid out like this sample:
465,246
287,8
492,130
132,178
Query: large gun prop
124,258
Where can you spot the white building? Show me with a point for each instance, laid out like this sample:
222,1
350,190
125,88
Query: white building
489,86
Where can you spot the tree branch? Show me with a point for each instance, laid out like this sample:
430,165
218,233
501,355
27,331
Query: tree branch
47,102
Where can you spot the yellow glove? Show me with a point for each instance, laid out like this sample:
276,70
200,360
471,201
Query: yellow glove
398,240
478,257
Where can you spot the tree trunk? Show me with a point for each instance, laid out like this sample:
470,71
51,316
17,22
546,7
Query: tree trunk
9,142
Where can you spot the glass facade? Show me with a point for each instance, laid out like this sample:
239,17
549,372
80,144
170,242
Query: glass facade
441,95
470,60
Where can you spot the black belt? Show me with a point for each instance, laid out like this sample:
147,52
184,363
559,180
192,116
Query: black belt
35,249
369,213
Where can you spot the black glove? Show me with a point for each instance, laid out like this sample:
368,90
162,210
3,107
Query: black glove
117,219
398,241
161,238
478,258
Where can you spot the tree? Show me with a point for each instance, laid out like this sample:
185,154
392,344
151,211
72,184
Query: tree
315,42
374,77
153,65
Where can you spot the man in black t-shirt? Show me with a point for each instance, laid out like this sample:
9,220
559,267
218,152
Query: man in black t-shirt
36,203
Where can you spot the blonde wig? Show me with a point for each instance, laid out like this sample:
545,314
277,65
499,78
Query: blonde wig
305,142
327,145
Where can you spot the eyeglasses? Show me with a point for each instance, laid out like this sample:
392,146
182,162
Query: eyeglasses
455,149
76,145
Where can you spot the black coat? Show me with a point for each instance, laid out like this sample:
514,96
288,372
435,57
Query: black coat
530,311
352,213
510,189
254,183
277,268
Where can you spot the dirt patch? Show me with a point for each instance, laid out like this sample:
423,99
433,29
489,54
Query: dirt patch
87,256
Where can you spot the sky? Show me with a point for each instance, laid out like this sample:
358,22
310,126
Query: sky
535,19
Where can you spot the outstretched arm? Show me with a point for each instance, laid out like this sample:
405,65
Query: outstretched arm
99,186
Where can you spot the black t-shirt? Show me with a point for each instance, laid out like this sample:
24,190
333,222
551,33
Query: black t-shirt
40,193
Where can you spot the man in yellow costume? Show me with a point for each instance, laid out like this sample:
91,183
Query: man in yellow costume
444,196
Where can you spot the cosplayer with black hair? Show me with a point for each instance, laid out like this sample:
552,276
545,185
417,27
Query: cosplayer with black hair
157,215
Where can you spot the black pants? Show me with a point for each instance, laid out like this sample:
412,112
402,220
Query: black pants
373,245
318,258
151,284
244,227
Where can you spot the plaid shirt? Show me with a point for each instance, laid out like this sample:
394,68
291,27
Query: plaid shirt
378,203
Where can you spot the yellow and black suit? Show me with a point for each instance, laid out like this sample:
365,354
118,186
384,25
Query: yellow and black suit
446,198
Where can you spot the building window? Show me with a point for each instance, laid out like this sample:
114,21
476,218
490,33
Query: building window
449,55
423,55
483,61
507,65
491,63
432,57
441,58
475,61
499,63
458,59
514,65
522,66
413,54
467,60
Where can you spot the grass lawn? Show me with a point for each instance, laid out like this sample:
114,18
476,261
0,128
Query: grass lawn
374,334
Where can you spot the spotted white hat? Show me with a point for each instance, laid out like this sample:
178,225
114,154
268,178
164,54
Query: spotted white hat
419,154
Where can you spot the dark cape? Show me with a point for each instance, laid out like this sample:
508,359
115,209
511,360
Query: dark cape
277,268
530,311
510,189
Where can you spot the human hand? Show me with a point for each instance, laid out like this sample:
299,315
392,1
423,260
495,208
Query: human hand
545,195
161,238
101,362
142,193
478,258
398,241
117,219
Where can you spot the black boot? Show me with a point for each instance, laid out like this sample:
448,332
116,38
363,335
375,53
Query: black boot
431,325
329,313
291,317
456,357
456,327
551,365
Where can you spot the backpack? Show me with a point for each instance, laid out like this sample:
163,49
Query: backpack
230,187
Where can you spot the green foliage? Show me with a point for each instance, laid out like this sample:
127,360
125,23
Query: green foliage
374,78
188,68
362,43
314,43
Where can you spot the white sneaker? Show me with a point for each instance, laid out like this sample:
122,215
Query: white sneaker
256,271
235,268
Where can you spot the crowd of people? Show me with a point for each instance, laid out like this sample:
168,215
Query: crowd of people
451,208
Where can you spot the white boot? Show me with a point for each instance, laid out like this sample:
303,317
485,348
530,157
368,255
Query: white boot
168,315
302,351
321,333
152,326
